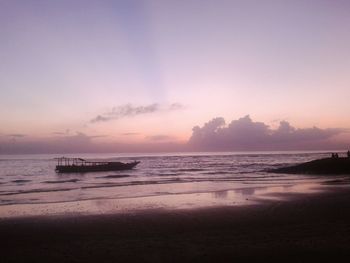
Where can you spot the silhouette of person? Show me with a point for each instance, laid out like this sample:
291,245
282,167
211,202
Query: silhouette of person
336,155
349,154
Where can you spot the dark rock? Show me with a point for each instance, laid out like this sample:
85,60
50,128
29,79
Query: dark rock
320,166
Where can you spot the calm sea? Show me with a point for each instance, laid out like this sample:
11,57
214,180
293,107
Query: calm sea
31,179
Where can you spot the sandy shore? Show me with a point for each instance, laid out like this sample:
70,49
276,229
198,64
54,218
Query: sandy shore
309,227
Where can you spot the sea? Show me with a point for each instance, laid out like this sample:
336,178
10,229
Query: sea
29,184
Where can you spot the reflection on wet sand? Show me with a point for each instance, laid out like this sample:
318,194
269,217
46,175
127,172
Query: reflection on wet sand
220,194
246,191
236,197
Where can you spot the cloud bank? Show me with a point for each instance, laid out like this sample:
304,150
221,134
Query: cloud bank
245,134
160,137
16,135
82,143
129,110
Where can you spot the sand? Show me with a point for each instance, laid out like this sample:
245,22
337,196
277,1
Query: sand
307,228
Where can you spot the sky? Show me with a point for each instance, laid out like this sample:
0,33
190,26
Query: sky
161,75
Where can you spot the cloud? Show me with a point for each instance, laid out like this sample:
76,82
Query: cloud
58,143
128,110
130,133
176,106
66,132
16,135
160,137
125,111
245,134
58,133
82,143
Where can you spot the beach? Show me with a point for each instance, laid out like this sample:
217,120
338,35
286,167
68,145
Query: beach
174,131
299,228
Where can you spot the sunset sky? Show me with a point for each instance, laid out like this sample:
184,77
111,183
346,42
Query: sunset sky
138,75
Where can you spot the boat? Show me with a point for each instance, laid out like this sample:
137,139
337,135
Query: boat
79,165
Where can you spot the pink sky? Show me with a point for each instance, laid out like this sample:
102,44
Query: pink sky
139,75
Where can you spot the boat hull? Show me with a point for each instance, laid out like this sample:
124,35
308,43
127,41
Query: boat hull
115,166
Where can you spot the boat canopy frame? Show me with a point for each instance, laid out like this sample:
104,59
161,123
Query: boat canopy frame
65,161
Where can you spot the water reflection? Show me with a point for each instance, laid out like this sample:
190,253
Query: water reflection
246,191
220,194
165,201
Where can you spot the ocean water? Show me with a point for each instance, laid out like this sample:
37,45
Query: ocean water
31,179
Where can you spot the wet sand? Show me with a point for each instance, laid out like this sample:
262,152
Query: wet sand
307,228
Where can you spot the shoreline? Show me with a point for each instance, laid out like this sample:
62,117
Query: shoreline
307,227
253,195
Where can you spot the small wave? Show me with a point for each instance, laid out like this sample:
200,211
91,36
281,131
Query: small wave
61,181
114,176
190,170
162,193
219,172
132,183
337,181
168,174
20,181
282,164
37,191
4,201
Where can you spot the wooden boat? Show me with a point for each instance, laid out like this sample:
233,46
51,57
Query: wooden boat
78,165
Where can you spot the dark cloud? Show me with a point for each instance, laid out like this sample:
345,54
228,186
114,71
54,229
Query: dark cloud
160,137
245,134
125,111
82,143
176,106
66,132
100,118
129,110
215,135
81,137
58,133
16,135
130,133
78,142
